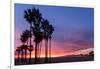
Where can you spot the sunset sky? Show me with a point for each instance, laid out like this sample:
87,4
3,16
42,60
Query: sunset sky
74,27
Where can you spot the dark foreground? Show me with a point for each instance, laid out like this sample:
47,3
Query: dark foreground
57,60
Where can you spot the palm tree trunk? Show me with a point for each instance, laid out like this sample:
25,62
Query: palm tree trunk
36,53
25,54
30,45
46,50
18,55
22,56
40,50
50,50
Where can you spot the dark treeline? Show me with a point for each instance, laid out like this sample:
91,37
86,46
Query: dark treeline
40,29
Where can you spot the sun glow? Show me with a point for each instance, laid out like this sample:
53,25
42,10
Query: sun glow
60,54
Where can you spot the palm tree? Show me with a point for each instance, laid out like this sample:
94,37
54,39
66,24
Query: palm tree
39,49
36,29
22,53
38,38
28,15
23,39
25,48
18,50
50,31
45,25
26,34
30,50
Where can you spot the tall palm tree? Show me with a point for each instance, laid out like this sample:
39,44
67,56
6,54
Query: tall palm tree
23,39
30,50
25,49
50,31
18,50
45,25
39,49
36,29
26,34
38,38
28,15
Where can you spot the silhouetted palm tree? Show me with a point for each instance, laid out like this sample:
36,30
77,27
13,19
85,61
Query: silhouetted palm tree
36,29
23,39
39,50
45,25
26,34
28,15
18,50
38,36
30,50
25,48
50,31
22,53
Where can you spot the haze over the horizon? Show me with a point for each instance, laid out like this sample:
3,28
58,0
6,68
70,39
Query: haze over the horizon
74,27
